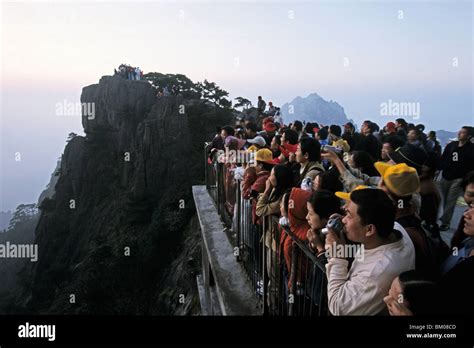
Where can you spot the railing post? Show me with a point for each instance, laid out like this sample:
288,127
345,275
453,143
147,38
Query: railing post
264,267
292,279
206,166
220,188
238,201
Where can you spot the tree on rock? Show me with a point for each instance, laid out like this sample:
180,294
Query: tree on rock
242,103
184,85
212,92
23,213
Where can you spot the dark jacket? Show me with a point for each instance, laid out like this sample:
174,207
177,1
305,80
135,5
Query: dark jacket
457,166
430,201
369,143
253,185
456,288
424,260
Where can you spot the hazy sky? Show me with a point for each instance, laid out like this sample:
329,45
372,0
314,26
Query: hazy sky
359,54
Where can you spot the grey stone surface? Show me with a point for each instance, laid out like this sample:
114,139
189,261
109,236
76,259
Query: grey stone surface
233,289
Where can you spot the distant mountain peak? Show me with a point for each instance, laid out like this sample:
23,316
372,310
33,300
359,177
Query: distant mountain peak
314,108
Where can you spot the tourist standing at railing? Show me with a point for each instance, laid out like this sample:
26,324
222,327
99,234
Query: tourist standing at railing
388,131
227,131
298,128
308,155
288,147
457,160
359,289
255,178
350,135
459,237
297,212
456,285
448,296
400,182
321,205
368,141
390,144
216,144
401,126
231,159
412,293
269,130
275,146
335,132
322,136
268,203
328,181
278,182
362,161
251,130
289,142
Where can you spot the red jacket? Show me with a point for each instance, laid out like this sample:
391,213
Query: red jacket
254,182
250,175
297,211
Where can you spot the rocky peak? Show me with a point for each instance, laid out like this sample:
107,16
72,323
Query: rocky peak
125,187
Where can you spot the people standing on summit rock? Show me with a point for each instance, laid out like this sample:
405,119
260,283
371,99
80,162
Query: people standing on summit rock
128,72
271,109
261,105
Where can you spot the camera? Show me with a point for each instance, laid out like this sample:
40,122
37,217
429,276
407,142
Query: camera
306,184
334,223
326,148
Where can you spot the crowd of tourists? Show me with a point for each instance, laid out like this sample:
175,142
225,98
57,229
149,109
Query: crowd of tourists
392,189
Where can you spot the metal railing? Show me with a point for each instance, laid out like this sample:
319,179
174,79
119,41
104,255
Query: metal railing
300,290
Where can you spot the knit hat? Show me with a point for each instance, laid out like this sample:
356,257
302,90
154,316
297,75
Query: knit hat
268,119
400,179
390,127
269,127
409,154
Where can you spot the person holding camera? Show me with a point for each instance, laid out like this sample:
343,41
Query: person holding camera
385,251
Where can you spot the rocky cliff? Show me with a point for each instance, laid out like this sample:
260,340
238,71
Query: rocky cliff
111,240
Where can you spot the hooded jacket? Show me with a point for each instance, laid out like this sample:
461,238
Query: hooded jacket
297,211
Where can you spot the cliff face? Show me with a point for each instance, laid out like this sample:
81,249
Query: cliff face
123,205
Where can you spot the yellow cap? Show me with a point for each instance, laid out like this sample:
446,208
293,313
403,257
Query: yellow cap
347,195
400,179
252,148
264,155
